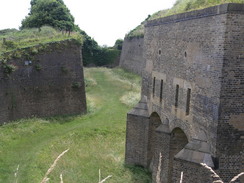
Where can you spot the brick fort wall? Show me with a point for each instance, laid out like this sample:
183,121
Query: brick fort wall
46,82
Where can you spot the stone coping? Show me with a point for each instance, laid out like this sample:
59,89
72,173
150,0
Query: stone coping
194,156
196,14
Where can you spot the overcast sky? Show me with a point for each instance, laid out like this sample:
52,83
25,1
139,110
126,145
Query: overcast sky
103,20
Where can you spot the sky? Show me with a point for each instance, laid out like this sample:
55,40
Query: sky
104,20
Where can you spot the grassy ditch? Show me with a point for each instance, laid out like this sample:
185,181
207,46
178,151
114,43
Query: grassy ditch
96,140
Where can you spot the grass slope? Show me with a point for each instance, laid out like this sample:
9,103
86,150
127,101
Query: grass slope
31,37
180,6
96,140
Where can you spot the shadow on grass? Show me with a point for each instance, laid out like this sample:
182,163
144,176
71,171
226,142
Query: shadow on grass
62,119
139,174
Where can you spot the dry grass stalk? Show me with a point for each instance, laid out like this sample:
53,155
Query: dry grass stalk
99,180
236,177
159,169
61,178
16,174
214,174
181,177
102,181
45,179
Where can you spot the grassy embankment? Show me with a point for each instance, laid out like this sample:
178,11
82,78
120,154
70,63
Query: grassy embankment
96,140
180,6
12,40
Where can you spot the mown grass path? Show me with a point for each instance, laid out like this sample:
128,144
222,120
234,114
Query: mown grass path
96,140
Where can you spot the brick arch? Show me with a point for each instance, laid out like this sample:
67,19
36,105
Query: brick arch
184,126
154,123
178,141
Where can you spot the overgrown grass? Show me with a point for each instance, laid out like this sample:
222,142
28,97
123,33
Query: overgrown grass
12,39
180,6
96,140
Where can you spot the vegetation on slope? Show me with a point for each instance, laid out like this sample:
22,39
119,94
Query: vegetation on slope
96,140
180,6
93,54
13,39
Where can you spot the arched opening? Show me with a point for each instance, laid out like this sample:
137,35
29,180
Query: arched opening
178,140
154,123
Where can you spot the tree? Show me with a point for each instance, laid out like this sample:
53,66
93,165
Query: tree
118,44
49,12
90,49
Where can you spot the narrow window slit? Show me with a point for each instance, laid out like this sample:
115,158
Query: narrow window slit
161,90
176,95
188,101
154,79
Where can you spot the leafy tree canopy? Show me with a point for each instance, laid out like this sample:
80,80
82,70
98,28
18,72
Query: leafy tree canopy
49,12
118,44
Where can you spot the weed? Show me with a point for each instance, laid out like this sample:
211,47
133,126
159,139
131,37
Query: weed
7,68
45,179
38,67
64,69
76,85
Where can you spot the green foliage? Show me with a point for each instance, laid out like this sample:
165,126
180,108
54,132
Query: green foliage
76,85
8,44
64,69
7,68
136,32
49,12
95,55
38,67
118,44
7,31
180,6
89,49
105,56
96,140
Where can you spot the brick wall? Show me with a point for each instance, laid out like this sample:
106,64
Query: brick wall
198,56
231,122
132,55
178,54
46,83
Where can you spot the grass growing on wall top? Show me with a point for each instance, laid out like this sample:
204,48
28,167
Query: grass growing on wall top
96,140
12,39
180,6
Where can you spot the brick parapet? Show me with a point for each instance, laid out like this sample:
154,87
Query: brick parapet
197,14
